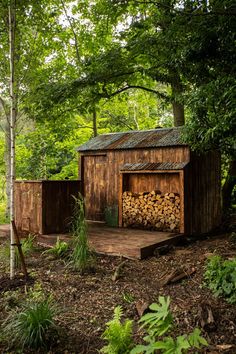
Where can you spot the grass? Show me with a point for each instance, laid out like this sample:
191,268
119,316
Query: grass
31,324
82,258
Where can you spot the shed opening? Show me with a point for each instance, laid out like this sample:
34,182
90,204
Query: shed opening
152,198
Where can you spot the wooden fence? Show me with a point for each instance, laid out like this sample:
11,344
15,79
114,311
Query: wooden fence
45,207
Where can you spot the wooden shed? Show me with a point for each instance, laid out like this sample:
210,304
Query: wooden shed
153,170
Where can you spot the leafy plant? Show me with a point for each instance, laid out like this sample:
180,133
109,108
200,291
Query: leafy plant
59,250
158,323
37,294
82,258
118,334
220,277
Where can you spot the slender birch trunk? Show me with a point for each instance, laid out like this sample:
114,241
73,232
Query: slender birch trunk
7,164
12,23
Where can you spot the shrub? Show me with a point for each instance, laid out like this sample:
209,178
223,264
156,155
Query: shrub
82,258
118,334
59,250
220,277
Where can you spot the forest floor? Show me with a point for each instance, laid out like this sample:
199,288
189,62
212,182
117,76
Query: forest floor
86,302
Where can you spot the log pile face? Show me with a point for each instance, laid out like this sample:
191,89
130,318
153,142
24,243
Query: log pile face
151,210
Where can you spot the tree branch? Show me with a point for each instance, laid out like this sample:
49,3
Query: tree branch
128,87
73,31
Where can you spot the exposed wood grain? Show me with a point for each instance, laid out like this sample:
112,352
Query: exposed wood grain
44,206
199,187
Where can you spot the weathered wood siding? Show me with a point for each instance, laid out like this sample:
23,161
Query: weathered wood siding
28,206
199,184
95,186
44,207
147,182
204,193
101,174
57,205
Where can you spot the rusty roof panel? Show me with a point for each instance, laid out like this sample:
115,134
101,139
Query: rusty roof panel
153,166
134,140
101,142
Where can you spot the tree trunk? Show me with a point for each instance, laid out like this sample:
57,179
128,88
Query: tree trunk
228,187
178,112
13,108
7,164
177,105
95,131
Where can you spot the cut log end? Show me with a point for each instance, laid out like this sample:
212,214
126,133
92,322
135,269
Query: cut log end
151,210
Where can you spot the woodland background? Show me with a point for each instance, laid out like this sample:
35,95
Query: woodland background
90,67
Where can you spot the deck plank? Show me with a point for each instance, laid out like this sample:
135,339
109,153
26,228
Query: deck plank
129,243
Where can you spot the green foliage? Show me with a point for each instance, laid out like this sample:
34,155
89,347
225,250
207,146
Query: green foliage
59,250
27,246
118,334
128,297
31,320
157,324
82,258
31,326
220,277
159,320
3,218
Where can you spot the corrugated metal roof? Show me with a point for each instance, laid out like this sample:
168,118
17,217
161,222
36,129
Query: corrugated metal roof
134,140
149,166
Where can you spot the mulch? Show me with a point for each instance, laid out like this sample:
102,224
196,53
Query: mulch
7,284
87,302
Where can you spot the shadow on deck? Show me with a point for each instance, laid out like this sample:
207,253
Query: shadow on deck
129,243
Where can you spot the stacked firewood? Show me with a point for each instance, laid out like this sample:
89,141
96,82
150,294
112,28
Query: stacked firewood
151,210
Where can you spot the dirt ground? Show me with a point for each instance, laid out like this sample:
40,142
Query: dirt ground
86,302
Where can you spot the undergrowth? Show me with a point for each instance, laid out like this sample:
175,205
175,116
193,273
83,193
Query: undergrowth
59,250
118,334
82,257
220,277
157,323
27,246
31,324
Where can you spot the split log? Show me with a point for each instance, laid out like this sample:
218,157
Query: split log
151,210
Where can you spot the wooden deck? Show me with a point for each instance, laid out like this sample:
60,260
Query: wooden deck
129,243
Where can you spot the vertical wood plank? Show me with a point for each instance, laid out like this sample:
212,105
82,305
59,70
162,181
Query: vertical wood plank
181,180
120,208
